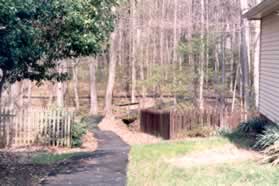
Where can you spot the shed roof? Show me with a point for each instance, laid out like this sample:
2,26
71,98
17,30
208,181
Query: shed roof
263,9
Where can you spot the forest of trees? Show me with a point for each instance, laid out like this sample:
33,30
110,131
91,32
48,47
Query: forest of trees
187,50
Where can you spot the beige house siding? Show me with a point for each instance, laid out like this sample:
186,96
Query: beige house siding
269,68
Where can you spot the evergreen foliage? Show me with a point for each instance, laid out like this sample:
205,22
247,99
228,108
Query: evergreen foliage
35,35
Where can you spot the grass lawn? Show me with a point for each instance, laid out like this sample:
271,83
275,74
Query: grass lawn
149,166
50,158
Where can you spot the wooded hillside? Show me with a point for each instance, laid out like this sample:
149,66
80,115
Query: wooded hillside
197,51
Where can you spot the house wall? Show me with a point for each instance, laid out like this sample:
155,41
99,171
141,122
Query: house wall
269,68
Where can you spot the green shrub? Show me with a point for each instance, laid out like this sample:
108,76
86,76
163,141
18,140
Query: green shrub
246,135
269,137
269,142
253,126
78,130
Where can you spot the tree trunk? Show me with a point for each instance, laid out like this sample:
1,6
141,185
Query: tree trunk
60,88
245,56
202,54
16,97
93,90
207,44
133,52
111,78
29,93
2,83
235,86
175,33
52,88
75,82
190,30
141,56
257,64
162,33
222,95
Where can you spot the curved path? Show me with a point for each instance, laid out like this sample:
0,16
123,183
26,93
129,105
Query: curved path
105,167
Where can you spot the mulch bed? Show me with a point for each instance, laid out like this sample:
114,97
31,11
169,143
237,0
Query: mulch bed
130,134
16,169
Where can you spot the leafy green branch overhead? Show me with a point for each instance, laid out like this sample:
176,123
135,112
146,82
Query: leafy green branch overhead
36,34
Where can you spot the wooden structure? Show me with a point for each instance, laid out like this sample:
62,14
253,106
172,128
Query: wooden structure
173,124
267,12
35,126
125,111
156,123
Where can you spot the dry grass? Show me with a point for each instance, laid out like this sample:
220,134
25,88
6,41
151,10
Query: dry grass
228,153
129,136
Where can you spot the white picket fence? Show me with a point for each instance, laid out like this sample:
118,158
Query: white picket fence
35,126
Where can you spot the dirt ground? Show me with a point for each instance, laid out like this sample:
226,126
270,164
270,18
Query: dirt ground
17,168
226,154
131,135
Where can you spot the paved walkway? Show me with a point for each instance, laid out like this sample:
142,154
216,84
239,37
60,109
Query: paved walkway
105,167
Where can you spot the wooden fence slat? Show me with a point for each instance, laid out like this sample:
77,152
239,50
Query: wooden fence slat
29,131
59,131
42,128
170,125
65,131
18,129
34,129
69,129
54,125
36,126
8,128
58,128
62,127
51,125
21,131
3,126
49,118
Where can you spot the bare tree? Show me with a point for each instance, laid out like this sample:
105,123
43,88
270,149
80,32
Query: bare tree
93,89
133,48
202,59
256,47
75,83
111,78
245,55
60,88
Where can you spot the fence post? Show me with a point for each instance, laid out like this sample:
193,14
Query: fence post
171,126
8,128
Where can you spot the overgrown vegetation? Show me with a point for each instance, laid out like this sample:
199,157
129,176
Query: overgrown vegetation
78,130
253,126
245,135
269,137
259,134
269,141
